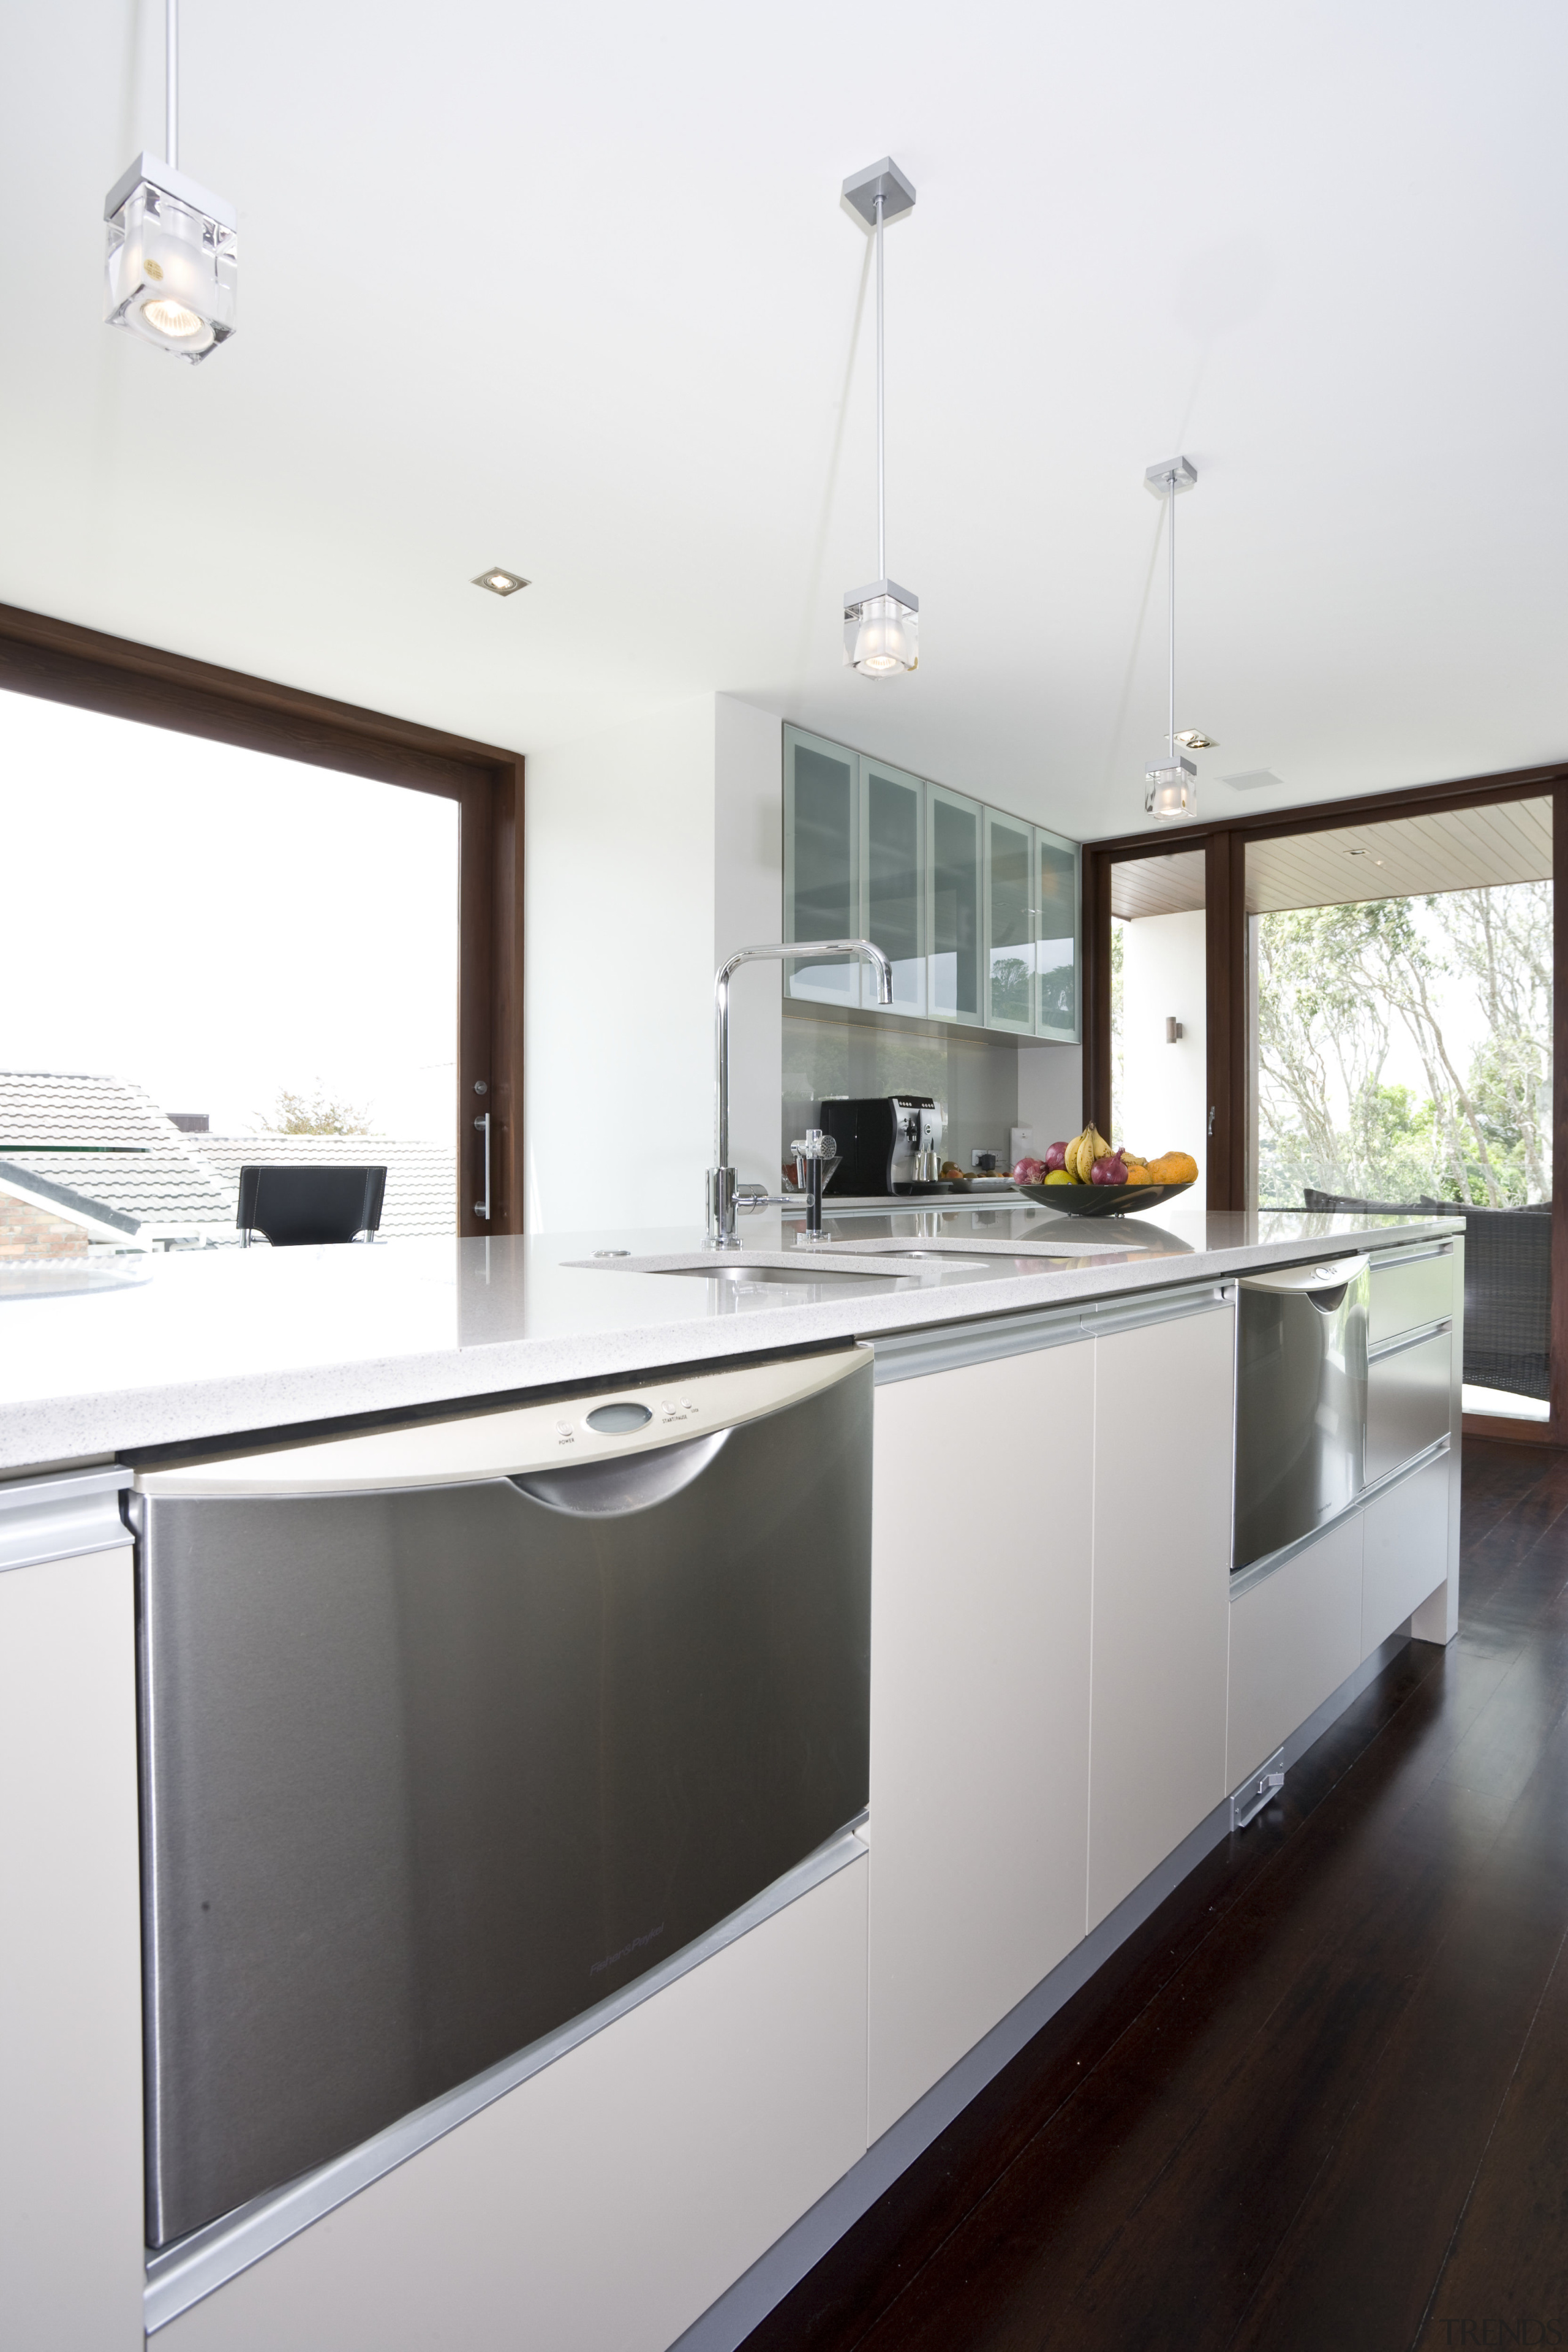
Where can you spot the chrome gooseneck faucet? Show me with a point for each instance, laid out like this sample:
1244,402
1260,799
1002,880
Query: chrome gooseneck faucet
722,1231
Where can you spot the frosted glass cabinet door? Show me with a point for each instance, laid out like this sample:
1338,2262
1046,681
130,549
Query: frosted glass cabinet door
1056,935
1009,923
891,810
953,904
822,861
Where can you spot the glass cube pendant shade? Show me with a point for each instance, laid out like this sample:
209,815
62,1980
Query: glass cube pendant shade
1171,788
881,629
171,261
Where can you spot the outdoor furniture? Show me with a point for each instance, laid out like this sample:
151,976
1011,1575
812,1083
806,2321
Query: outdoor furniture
295,1206
1508,1286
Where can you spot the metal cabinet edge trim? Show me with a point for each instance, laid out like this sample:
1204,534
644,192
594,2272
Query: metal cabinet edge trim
949,1347
61,1516
1166,1307
182,2274
501,1444
1413,1339
1409,1256
1258,1572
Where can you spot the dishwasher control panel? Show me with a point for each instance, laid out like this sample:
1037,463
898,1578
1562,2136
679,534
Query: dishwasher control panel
517,1438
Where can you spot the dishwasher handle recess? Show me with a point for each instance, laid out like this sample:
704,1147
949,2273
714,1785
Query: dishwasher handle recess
1324,1283
634,1482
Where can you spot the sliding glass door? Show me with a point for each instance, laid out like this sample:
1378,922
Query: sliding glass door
1354,1010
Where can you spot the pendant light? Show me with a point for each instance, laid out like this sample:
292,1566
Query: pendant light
172,259
1171,783
881,620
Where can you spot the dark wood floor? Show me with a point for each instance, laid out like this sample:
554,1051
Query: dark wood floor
1321,2099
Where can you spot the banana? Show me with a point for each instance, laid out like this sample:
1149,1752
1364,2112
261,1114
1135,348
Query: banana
1084,1151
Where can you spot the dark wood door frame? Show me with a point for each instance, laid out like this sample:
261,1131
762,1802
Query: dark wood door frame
1224,844
60,662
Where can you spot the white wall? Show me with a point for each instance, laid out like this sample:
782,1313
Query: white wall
1050,1093
748,911
1165,1106
620,897
652,850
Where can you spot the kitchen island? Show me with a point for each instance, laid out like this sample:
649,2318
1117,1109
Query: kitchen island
1068,1688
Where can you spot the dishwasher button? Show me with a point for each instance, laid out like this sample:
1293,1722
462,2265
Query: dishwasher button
611,1420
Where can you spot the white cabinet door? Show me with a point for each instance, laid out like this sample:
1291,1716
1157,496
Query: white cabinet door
604,2203
1406,1550
71,2260
979,1702
1162,1593
1293,1639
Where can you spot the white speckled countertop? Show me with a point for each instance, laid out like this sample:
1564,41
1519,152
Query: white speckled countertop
199,1344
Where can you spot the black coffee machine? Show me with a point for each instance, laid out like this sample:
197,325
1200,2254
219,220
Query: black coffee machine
886,1143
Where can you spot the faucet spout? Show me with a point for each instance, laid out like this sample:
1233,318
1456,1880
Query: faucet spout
721,1176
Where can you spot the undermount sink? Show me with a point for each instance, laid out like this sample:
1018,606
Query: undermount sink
736,1270
748,1269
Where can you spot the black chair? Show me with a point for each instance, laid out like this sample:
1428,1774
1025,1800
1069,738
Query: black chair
1508,1286
291,1206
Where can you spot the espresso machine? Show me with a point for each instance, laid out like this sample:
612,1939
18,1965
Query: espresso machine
886,1143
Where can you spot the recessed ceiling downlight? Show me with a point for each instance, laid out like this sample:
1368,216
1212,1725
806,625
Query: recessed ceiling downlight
499,583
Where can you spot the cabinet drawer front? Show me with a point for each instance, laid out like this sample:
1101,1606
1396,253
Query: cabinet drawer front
1404,1296
1407,1401
1293,1639
1406,1554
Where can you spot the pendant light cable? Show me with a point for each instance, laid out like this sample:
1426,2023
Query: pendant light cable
171,83
1172,577
881,411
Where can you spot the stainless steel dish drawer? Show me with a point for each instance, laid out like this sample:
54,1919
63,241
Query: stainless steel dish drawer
1300,1402
1410,1293
450,1731
1408,1397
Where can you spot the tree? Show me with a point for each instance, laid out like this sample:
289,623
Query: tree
317,1113
1332,981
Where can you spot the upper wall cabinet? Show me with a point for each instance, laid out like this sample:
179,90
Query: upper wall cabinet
893,861
1055,937
1009,923
977,912
955,894
822,861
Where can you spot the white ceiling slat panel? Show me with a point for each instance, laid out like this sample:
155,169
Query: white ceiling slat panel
1402,857
1447,849
1173,884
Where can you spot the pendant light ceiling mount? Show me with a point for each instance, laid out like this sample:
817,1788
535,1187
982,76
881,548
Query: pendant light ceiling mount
881,620
1171,782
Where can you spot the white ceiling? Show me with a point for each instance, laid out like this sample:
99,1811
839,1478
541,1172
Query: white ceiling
572,290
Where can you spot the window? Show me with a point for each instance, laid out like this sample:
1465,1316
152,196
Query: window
247,923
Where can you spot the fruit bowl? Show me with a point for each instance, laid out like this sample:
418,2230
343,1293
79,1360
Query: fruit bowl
1103,1200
